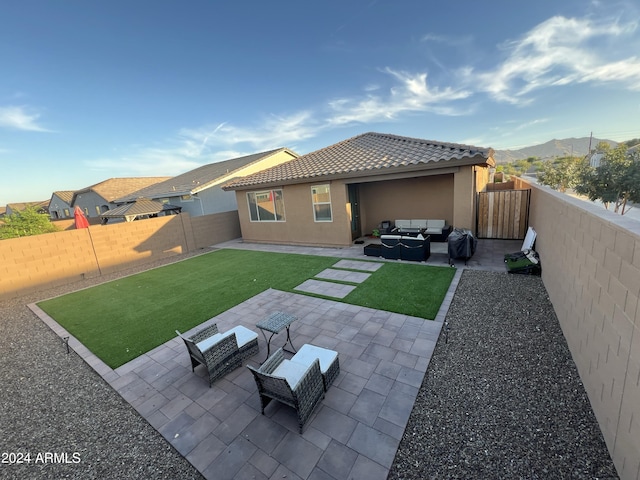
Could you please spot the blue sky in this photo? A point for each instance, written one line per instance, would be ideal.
(102, 89)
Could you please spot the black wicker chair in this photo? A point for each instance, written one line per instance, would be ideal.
(291, 383)
(220, 353)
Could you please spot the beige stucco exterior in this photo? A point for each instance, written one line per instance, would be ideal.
(448, 194)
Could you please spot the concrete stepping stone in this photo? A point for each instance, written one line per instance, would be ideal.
(343, 275)
(358, 265)
(328, 289)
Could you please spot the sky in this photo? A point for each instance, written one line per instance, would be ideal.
(105, 89)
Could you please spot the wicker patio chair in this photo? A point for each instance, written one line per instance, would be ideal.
(291, 383)
(220, 353)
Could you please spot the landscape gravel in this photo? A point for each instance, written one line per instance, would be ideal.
(501, 399)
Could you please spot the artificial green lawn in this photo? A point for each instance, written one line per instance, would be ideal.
(125, 318)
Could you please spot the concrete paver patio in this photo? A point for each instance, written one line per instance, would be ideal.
(354, 433)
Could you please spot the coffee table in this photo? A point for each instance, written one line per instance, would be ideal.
(275, 323)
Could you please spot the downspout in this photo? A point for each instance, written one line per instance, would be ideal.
(195, 195)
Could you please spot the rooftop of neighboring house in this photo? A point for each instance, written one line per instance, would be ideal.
(199, 178)
(368, 154)
(114, 188)
(19, 206)
(64, 195)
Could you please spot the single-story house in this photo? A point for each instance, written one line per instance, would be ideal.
(198, 191)
(336, 194)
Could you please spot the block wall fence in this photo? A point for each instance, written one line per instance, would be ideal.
(30, 264)
(591, 269)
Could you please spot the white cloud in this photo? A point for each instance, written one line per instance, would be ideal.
(561, 51)
(410, 93)
(19, 118)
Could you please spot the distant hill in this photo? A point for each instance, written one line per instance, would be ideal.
(578, 147)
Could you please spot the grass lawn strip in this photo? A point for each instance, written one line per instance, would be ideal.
(122, 319)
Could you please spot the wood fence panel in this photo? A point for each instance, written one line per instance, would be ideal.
(503, 214)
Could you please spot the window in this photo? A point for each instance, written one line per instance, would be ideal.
(266, 206)
(66, 212)
(321, 198)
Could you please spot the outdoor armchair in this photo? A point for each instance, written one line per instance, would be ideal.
(220, 353)
(291, 383)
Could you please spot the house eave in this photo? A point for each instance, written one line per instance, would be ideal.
(422, 169)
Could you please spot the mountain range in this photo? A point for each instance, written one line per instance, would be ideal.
(577, 147)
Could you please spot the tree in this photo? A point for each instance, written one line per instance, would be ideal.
(26, 222)
(616, 180)
(561, 173)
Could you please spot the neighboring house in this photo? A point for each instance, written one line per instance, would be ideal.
(139, 210)
(334, 195)
(99, 198)
(41, 206)
(198, 191)
(60, 205)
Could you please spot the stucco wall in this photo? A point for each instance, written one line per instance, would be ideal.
(407, 198)
(299, 226)
(34, 263)
(591, 268)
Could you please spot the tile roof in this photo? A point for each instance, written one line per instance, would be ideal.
(65, 195)
(117, 187)
(200, 178)
(39, 205)
(368, 154)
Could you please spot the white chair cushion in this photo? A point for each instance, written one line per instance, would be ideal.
(292, 372)
(418, 223)
(308, 353)
(403, 223)
(436, 224)
(207, 343)
(243, 336)
(390, 237)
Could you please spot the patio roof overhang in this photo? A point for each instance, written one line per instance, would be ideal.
(140, 208)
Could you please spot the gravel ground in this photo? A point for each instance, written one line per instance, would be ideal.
(502, 397)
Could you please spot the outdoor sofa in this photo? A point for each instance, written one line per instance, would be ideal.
(438, 230)
(220, 353)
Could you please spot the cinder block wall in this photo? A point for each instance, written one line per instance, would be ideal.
(35, 263)
(591, 270)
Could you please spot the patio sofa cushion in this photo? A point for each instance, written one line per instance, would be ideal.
(329, 362)
(243, 336)
(434, 227)
(291, 371)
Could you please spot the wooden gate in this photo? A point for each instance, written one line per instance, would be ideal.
(503, 214)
